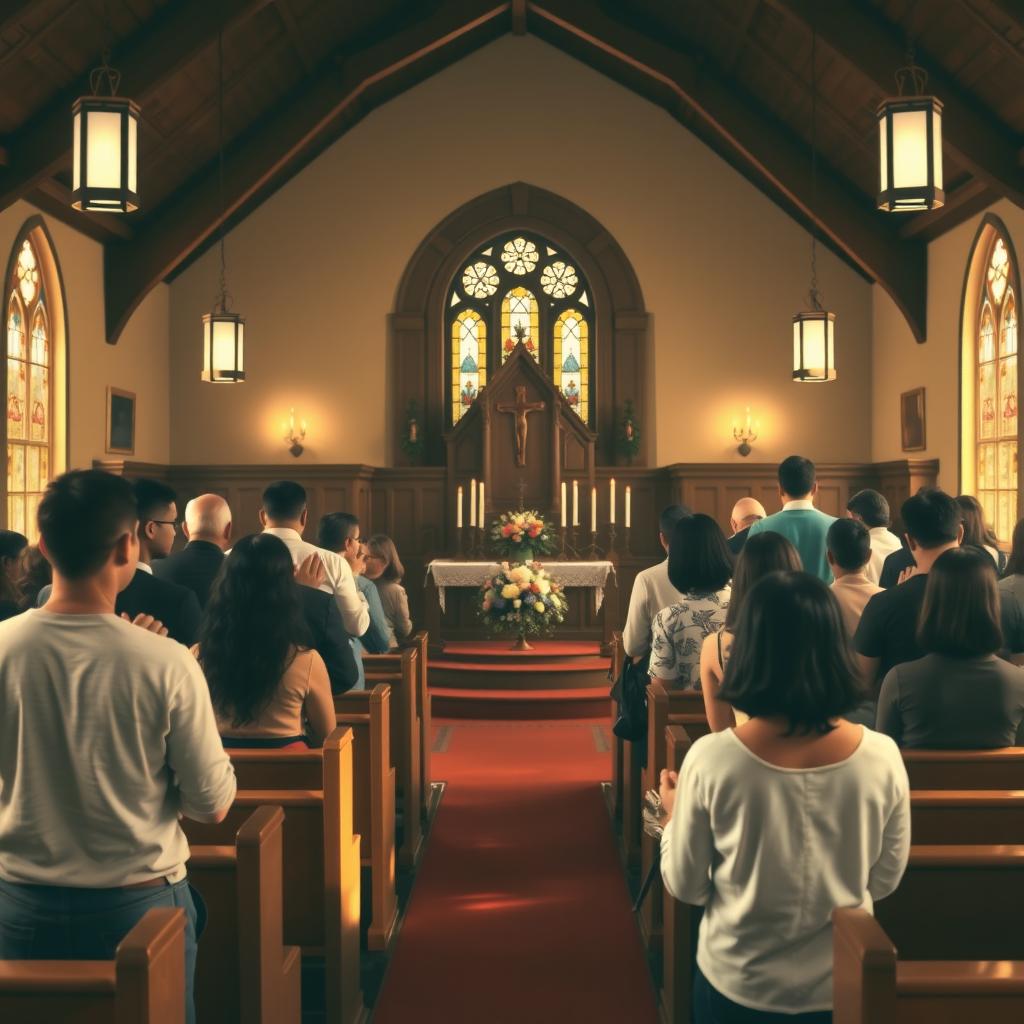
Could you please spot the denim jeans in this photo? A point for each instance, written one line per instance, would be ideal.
(42, 922)
(711, 1007)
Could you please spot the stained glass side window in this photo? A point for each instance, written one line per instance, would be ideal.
(520, 322)
(572, 361)
(28, 431)
(997, 375)
(469, 360)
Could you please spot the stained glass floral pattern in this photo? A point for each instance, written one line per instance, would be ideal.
(480, 280)
(519, 256)
(998, 270)
(27, 271)
(559, 279)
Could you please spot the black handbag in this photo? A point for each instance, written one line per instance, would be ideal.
(630, 693)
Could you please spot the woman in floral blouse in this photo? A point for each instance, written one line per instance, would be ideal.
(700, 568)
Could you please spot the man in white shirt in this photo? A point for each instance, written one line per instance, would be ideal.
(651, 591)
(849, 548)
(107, 736)
(872, 509)
(284, 514)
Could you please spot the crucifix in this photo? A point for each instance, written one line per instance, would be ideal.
(521, 409)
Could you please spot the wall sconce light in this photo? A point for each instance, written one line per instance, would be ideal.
(293, 440)
(746, 434)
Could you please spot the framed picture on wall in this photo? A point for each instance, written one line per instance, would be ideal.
(120, 422)
(912, 422)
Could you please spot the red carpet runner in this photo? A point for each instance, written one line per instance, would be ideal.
(520, 913)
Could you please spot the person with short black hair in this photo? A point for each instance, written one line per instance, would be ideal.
(795, 786)
(339, 531)
(700, 567)
(800, 522)
(158, 519)
(652, 590)
(12, 544)
(107, 737)
(849, 551)
(872, 509)
(768, 552)
(284, 514)
(959, 695)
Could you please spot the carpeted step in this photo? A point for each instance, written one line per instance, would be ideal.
(500, 651)
(519, 675)
(498, 704)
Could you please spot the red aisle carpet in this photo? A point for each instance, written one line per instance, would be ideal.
(520, 913)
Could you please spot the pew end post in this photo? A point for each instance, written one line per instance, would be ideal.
(864, 970)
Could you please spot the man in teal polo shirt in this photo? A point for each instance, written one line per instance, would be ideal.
(799, 521)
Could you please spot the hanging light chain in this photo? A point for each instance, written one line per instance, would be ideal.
(224, 299)
(814, 297)
(911, 74)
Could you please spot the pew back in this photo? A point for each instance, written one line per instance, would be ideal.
(967, 817)
(420, 643)
(966, 769)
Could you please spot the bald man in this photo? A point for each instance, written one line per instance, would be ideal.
(207, 527)
(745, 513)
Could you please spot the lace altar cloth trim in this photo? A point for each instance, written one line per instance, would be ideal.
(473, 574)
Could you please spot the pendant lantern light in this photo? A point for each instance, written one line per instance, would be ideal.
(105, 143)
(910, 145)
(223, 330)
(814, 329)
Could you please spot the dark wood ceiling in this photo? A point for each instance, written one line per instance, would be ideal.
(299, 73)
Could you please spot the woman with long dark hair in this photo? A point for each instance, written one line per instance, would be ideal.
(774, 824)
(762, 554)
(269, 688)
(12, 544)
(960, 694)
(977, 533)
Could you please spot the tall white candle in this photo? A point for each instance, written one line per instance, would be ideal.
(458, 507)
(611, 489)
(575, 503)
(472, 502)
(481, 519)
(593, 510)
(565, 511)
(629, 506)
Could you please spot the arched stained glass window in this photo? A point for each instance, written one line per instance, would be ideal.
(572, 361)
(996, 395)
(469, 360)
(520, 320)
(519, 287)
(28, 425)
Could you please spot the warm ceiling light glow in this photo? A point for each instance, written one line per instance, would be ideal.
(223, 347)
(814, 358)
(105, 138)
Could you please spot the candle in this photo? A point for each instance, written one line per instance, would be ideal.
(472, 503)
(458, 505)
(593, 510)
(481, 520)
(612, 491)
(564, 509)
(629, 506)
(575, 503)
(303, 428)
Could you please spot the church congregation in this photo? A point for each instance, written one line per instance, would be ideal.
(513, 512)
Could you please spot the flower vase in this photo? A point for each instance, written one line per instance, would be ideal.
(521, 644)
(524, 555)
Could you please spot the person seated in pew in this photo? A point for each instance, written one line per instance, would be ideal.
(978, 533)
(745, 513)
(1011, 586)
(872, 509)
(12, 544)
(269, 687)
(849, 553)
(207, 528)
(107, 737)
(959, 695)
(700, 567)
(774, 824)
(769, 552)
(384, 568)
(652, 591)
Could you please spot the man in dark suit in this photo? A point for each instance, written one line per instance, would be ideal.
(330, 639)
(207, 527)
(745, 513)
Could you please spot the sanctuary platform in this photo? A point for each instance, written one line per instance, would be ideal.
(488, 680)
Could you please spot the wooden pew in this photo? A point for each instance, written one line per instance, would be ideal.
(144, 984)
(967, 817)
(368, 714)
(321, 871)
(872, 986)
(966, 769)
(619, 753)
(244, 973)
(420, 642)
(400, 671)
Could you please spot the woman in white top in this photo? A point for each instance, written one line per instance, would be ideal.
(762, 554)
(700, 568)
(779, 821)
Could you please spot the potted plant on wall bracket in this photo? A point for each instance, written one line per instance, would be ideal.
(627, 435)
(412, 434)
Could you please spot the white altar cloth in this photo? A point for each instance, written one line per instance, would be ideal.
(593, 575)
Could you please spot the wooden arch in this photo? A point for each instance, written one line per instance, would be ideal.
(418, 347)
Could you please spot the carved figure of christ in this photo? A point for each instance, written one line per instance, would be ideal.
(521, 409)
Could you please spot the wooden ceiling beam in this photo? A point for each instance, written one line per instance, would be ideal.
(328, 103)
(771, 150)
(13, 12)
(54, 199)
(146, 61)
(284, 12)
(877, 50)
(1011, 10)
(961, 203)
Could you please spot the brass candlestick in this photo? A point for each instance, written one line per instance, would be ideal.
(611, 539)
(460, 552)
(563, 555)
(625, 541)
(594, 552)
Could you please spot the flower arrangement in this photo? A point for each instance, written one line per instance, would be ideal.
(518, 536)
(522, 600)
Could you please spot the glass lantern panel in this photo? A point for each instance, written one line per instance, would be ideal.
(76, 182)
(103, 149)
(133, 153)
(910, 148)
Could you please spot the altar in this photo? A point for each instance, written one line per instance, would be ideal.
(454, 596)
